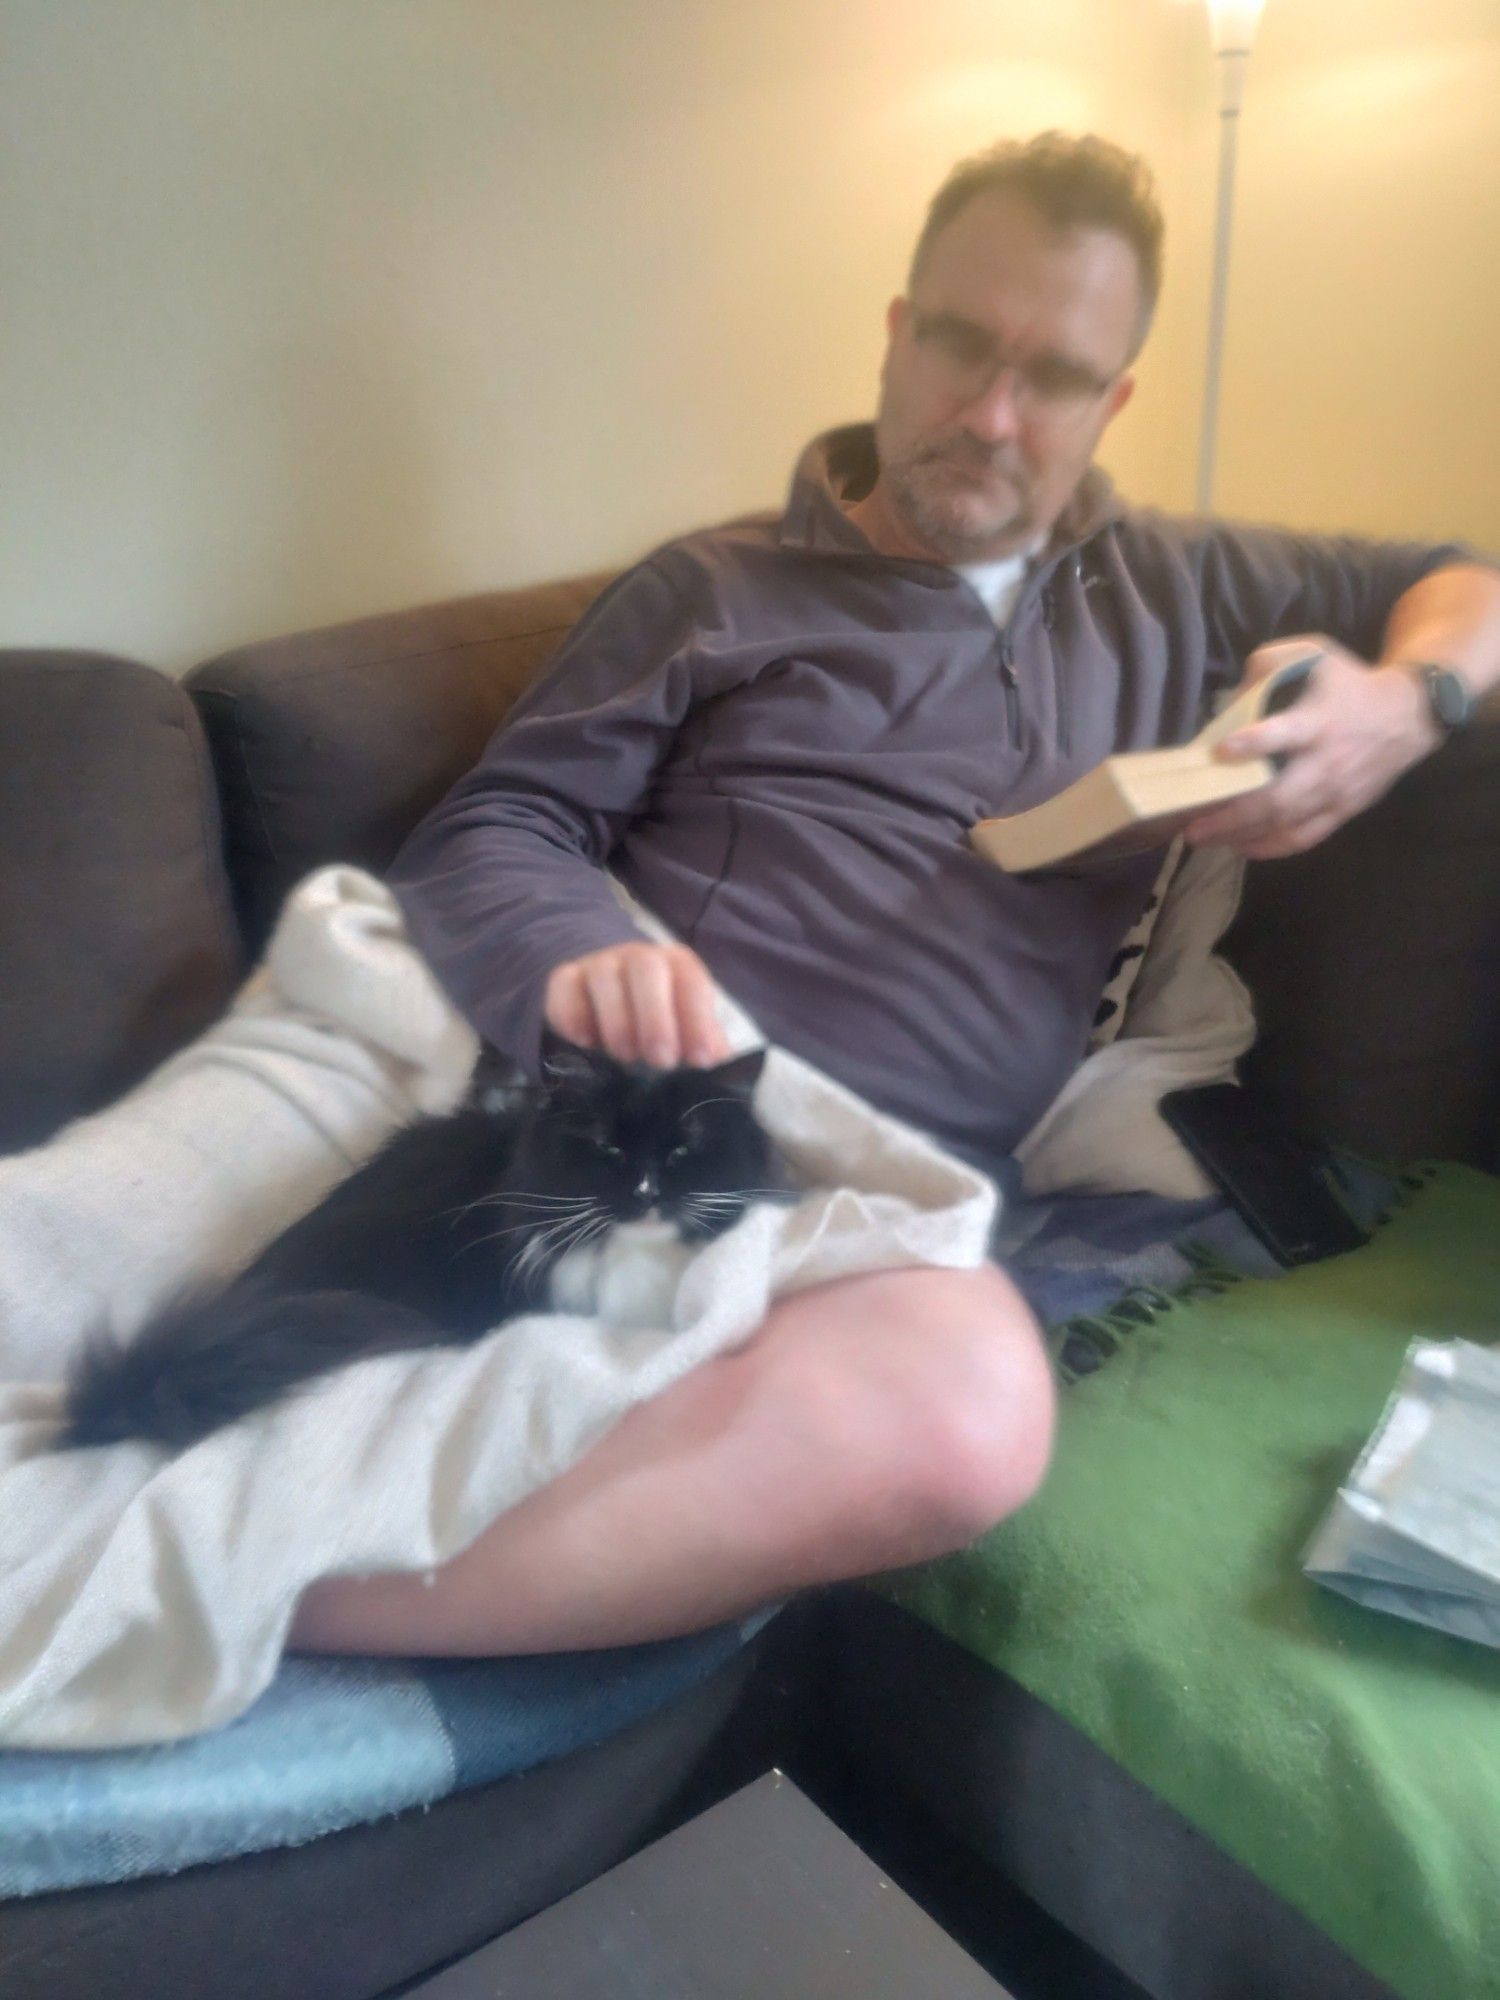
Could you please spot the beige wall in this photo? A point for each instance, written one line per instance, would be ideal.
(315, 307)
(1362, 362)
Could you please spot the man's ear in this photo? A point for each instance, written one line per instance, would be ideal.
(1119, 396)
(896, 315)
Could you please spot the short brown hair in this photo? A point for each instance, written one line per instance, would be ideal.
(1074, 183)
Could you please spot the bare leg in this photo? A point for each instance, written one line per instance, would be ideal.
(871, 1422)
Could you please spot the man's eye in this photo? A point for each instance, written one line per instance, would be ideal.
(970, 350)
(1056, 379)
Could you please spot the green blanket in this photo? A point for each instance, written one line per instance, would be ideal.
(1153, 1595)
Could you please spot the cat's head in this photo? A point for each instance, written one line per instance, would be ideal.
(681, 1143)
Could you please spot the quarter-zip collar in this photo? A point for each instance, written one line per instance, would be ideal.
(843, 463)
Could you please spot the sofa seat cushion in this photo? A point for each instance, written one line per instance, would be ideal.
(332, 1743)
(1153, 1598)
(116, 934)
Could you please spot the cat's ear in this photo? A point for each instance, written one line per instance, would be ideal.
(566, 1066)
(740, 1073)
(497, 1083)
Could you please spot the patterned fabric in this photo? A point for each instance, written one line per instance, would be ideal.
(330, 1744)
(1091, 1265)
(1125, 966)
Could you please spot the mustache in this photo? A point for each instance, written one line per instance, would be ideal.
(969, 456)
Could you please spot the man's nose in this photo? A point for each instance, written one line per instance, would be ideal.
(994, 414)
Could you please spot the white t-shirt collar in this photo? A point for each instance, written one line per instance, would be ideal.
(998, 584)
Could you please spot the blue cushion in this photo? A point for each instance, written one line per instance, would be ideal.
(331, 1743)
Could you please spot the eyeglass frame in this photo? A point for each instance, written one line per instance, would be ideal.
(1085, 386)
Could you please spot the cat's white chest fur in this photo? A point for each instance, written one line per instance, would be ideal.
(628, 1278)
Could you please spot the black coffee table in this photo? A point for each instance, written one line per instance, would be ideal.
(760, 1898)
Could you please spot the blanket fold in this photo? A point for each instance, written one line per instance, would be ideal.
(144, 1598)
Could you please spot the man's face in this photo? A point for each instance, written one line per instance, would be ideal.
(1001, 373)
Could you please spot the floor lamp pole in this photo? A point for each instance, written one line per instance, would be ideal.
(1233, 63)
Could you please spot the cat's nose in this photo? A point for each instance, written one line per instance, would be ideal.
(645, 1188)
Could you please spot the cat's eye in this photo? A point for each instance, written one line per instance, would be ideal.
(611, 1152)
(677, 1153)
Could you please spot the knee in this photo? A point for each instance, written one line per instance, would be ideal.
(974, 1425)
(947, 1427)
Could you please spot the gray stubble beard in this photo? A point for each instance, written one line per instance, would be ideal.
(933, 521)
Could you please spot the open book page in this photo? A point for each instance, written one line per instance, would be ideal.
(1416, 1526)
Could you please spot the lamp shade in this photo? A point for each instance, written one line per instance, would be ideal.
(1232, 24)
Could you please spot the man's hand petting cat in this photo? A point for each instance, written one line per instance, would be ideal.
(651, 1003)
(1347, 740)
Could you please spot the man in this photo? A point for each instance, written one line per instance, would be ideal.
(777, 735)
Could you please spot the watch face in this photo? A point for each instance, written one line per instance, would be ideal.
(1450, 698)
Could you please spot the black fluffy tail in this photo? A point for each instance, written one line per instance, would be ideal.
(210, 1358)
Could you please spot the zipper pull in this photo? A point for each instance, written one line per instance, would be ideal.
(1012, 697)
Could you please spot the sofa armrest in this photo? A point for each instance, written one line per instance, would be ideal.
(116, 932)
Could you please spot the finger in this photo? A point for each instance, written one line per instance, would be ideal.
(606, 987)
(1310, 785)
(1239, 822)
(1279, 653)
(1223, 832)
(567, 1008)
(1268, 816)
(1235, 829)
(648, 982)
(1295, 729)
(1235, 820)
(1299, 649)
(702, 1037)
(1295, 840)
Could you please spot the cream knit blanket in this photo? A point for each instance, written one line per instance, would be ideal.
(146, 1597)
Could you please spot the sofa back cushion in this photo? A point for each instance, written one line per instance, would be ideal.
(117, 941)
(331, 745)
(1374, 961)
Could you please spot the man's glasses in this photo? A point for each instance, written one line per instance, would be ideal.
(969, 360)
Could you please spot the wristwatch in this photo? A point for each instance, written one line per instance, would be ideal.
(1449, 702)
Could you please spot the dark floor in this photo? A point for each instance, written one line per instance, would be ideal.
(1016, 1942)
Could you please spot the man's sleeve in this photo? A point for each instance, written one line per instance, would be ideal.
(504, 879)
(1259, 584)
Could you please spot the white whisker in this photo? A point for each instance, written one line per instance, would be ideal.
(732, 1200)
(523, 1198)
(582, 1230)
(581, 1213)
(520, 1195)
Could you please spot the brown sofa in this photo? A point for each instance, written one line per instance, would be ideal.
(149, 830)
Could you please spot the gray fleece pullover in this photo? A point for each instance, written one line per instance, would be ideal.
(778, 740)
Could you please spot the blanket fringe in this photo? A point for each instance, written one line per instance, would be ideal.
(1081, 1345)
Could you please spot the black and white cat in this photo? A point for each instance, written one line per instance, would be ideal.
(510, 1204)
